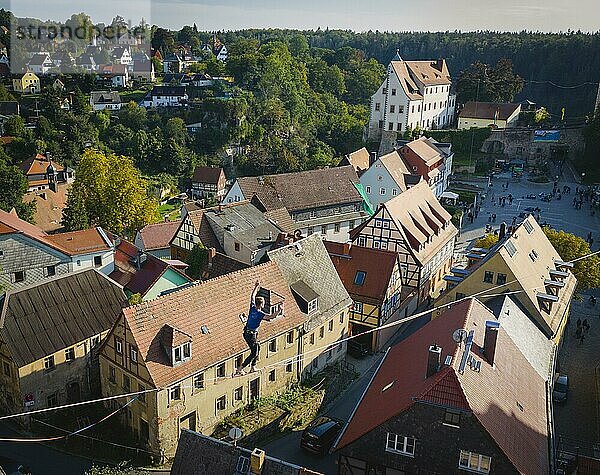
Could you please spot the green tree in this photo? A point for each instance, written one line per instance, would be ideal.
(196, 260)
(489, 83)
(487, 241)
(14, 186)
(571, 247)
(75, 215)
(113, 193)
(5, 95)
(14, 126)
(541, 115)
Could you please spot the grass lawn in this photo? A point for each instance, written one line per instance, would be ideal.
(171, 211)
(136, 96)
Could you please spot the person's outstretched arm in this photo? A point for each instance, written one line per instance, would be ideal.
(254, 293)
(274, 315)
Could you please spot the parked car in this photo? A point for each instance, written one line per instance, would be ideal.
(561, 388)
(320, 434)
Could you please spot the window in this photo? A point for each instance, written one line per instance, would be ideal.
(460, 295)
(394, 192)
(182, 353)
(175, 393)
(385, 90)
(336, 228)
(377, 106)
(312, 338)
(321, 332)
(400, 110)
(97, 261)
(381, 124)
(311, 231)
(342, 318)
(238, 394)
(510, 248)
(392, 109)
(199, 381)
(238, 361)
(221, 370)
(359, 278)
(452, 418)
(533, 255)
(142, 395)
(118, 345)
(273, 345)
(18, 276)
(289, 368)
(6, 368)
(399, 127)
(221, 403)
(351, 224)
(237, 247)
(324, 229)
(112, 376)
(272, 376)
(488, 277)
(290, 337)
(367, 189)
(126, 383)
(474, 462)
(51, 271)
(390, 126)
(312, 306)
(330, 326)
(393, 92)
(382, 191)
(49, 364)
(70, 354)
(500, 279)
(52, 400)
(400, 444)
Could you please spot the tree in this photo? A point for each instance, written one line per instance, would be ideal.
(485, 83)
(113, 193)
(487, 241)
(196, 260)
(541, 115)
(14, 186)
(14, 126)
(571, 247)
(75, 217)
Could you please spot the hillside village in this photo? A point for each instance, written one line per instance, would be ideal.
(421, 259)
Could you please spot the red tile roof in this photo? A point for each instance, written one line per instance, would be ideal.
(158, 236)
(216, 304)
(378, 265)
(38, 165)
(508, 399)
(488, 110)
(138, 281)
(209, 175)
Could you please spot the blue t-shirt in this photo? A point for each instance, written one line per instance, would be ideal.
(255, 317)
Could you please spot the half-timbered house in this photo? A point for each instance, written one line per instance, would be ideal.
(419, 229)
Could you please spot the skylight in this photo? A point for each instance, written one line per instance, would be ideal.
(359, 278)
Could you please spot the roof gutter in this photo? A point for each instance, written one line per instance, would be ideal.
(339, 437)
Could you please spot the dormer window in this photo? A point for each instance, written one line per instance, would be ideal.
(307, 298)
(182, 353)
(176, 344)
(313, 305)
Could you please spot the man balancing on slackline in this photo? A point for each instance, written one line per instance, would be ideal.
(255, 316)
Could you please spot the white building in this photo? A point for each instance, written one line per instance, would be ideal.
(413, 94)
(166, 96)
(101, 100)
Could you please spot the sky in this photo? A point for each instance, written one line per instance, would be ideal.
(364, 15)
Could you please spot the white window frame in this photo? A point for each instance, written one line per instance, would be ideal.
(471, 468)
(357, 307)
(382, 191)
(399, 444)
(313, 305)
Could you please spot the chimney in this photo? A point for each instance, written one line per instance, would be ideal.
(372, 158)
(346, 249)
(502, 231)
(257, 460)
(47, 154)
(212, 252)
(434, 360)
(439, 64)
(490, 339)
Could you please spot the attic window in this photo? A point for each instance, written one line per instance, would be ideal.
(182, 353)
(510, 248)
(308, 299)
(204, 329)
(359, 278)
(527, 225)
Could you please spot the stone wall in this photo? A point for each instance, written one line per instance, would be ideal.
(519, 143)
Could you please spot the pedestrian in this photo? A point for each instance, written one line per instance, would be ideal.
(585, 326)
(581, 338)
(578, 322)
(578, 333)
(256, 315)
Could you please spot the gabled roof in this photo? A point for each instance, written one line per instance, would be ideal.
(143, 65)
(178, 91)
(210, 175)
(303, 190)
(307, 260)
(377, 264)
(55, 314)
(199, 454)
(39, 59)
(10, 108)
(113, 69)
(159, 235)
(105, 97)
(202, 227)
(408, 85)
(138, 280)
(216, 304)
(420, 217)
(488, 110)
(397, 169)
(429, 73)
(38, 165)
(425, 149)
(282, 219)
(219, 264)
(508, 398)
(359, 160)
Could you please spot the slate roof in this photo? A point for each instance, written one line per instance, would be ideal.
(159, 235)
(175, 91)
(303, 190)
(199, 454)
(491, 394)
(39, 59)
(420, 218)
(307, 260)
(217, 304)
(105, 97)
(55, 314)
(488, 110)
(378, 265)
(138, 281)
(209, 175)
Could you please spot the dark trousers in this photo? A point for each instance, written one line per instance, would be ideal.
(251, 338)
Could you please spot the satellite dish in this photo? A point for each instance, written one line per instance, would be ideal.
(459, 335)
(235, 434)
